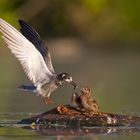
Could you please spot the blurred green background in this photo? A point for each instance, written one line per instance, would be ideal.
(97, 41)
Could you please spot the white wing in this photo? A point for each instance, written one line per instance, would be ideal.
(29, 57)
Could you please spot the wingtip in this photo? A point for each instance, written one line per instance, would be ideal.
(21, 21)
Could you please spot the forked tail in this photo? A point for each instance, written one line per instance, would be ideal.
(30, 88)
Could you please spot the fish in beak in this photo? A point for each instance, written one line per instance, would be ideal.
(73, 84)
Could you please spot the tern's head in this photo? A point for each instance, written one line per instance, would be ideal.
(65, 77)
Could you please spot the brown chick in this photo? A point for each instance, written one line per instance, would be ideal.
(87, 100)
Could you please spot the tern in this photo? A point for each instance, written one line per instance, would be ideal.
(35, 59)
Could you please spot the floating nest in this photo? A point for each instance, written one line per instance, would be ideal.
(82, 113)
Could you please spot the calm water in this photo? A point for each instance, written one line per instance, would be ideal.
(9, 129)
(114, 79)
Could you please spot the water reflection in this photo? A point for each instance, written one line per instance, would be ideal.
(55, 131)
(9, 129)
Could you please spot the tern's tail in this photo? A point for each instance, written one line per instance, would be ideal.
(30, 88)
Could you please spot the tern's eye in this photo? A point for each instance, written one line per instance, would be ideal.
(69, 78)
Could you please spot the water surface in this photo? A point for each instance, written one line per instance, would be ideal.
(114, 79)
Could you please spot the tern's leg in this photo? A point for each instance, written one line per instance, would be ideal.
(47, 100)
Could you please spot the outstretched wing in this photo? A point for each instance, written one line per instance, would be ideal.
(29, 57)
(31, 34)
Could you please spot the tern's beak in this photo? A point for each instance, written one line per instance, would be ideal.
(73, 84)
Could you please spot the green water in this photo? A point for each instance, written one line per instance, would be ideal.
(9, 129)
(14, 131)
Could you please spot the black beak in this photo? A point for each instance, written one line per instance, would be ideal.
(73, 84)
